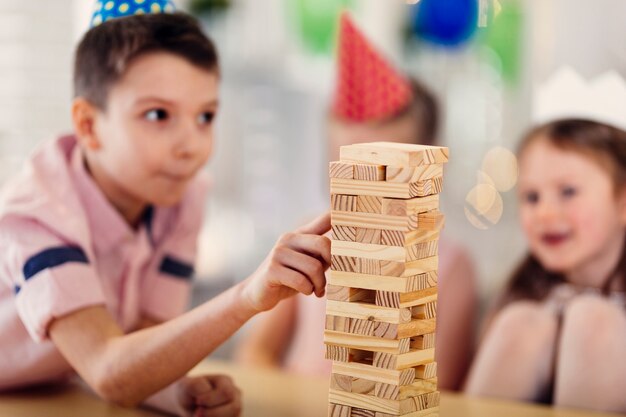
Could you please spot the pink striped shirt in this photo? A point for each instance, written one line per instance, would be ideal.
(64, 247)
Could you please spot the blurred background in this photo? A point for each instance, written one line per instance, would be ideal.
(485, 59)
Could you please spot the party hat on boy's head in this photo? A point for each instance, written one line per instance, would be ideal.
(110, 9)
(368, 87)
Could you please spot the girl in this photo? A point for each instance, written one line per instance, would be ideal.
(558, 334)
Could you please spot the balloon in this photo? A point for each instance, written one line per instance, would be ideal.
(503, 35)
(317, 22)
(447, 23)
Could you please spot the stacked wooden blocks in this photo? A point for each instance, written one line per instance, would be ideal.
(382, 289)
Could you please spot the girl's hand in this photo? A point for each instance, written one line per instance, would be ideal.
(296, 264)
(209, 396)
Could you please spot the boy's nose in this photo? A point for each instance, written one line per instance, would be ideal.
(189, 143)
(546, 211)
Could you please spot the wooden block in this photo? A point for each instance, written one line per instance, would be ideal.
(386, 189)
(393, 407)
(338, 323)
(423, 250)
(379, 282)
(343, 263)
(418, 387)
(405, 360)
(393, 154)
(339, 293)
(337, 353)
(383, 252)
(369, 372)
(404, 300)
(368, 312)
(345, 233)
(423, 188)
(403, 238)
(405, 207)
(417, 328)
(366, 235)
(407, 269)
(369, 204)
(360, 412)
(374, 221)
(431, 220)
(429, 412)
(426, 371)
(337, 410)
(371, 344)
(369, 251)
(341, 170)
(369, 172)
(413, 174)
(363, 386)
(425, 311)
(341, 382)
(368, 266)
(343, 202)
(397, 392)
(363, 327)
(425, 341)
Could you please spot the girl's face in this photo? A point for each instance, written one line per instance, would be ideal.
(572, 217)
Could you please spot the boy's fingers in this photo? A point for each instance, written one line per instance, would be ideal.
(311, 269)
(212, 391)
(313, 245)
(318, 226)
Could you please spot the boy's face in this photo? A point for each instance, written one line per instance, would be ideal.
(156, 132)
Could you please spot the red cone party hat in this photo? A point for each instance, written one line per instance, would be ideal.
(369, 88)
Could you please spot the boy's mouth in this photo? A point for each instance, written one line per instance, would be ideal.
(554, 239)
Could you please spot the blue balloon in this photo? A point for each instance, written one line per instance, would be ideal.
(445, 22)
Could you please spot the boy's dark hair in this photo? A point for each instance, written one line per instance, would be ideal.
(607, 145)
(424, 110)
(106, 51)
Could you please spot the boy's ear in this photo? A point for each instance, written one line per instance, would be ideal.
(84, 116)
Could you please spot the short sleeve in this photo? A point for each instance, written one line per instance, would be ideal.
(50, 276)
(167, 285)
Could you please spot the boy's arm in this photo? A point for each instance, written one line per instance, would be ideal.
(128, 368)
(267, 341)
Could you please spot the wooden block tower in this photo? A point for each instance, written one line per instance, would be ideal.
(382, 290)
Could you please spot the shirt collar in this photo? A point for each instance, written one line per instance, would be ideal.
(108, 228)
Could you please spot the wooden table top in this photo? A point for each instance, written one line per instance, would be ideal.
(266, 393)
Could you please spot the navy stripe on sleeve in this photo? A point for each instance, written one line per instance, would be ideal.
(52, 257)
(176, 268)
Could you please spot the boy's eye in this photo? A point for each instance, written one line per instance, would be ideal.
(156, 115)
(206, 118)
(568, 191)
(531, 197)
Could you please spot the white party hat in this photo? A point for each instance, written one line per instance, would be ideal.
(566, 94)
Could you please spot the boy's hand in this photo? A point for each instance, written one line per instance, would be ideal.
(209, 396)
(296, 264)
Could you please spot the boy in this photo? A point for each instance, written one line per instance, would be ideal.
(98, 231)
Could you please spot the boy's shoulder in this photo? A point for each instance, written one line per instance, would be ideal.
(43, 190)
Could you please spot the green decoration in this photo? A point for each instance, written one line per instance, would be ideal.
(503, 35)
(317, 21)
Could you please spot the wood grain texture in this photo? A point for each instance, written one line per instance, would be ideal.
(393, 154)
(379, 282)
(341, 293)
(368, 343)
(369, 204)
(342, 170)
(413, 174)
(345, 233)
(386, 189)
(368, 312)
(426, 371)
(413, 299)
(343, 202)
(393, 407)
(397, 392)
(425, 341)
(372, 373)
(369, 172)
(405, 207)
(374, 221)
(366, 235)
(337, 410)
